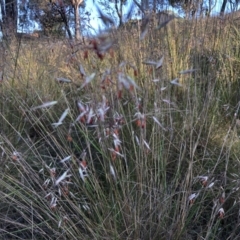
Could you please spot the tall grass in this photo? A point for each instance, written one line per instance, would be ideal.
(158, 159)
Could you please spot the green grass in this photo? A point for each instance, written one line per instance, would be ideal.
(145, 159)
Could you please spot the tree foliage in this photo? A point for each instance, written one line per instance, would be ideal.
(59, 12)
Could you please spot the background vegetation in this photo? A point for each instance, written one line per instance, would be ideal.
(148, 143)
(75, 18)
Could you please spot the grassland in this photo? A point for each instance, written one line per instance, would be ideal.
(139, 150)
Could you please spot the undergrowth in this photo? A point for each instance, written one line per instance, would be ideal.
(136, 141)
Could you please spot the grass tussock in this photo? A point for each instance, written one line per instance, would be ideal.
(140, 141)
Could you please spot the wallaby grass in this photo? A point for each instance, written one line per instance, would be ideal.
(140, 177)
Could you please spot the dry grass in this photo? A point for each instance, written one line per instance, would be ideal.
(157, 159)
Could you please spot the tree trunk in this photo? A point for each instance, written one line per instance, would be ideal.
(10, 8)
(223, 7)
(145, 5)
(3, 8)
(77, 22)
(65, 20)
(119, 12)
(68, 31)
(1, 14)
(76, 4)
(10, 18)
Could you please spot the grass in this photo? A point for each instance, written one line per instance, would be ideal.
(138, 155)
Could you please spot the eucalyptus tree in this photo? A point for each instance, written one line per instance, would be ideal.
(3, 8)
(233, 3)
(152, 5)
(76, 4)
(63, 5)
(118, 4)
(10, 9)
(59, 12)
(189, 7)
(9, 15)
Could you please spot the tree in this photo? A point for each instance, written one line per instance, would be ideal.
(76, 4)
(60, 11)
(53, 19)
(190, 7)
(3, 8)
(152, 5)
(10, 9)
(223, 7)
(9, 14)
(119, 9)
(233, 3)
(62, 6)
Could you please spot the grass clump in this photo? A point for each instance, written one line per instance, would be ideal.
(139, 141)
